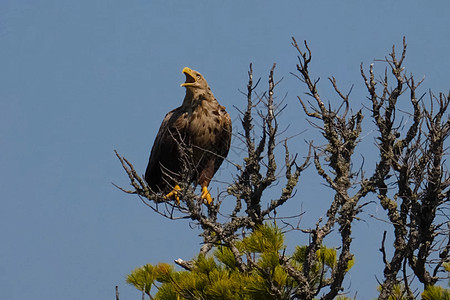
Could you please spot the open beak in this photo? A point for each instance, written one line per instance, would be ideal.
(190, 77)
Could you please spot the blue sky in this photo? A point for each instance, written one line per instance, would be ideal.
(81, 78)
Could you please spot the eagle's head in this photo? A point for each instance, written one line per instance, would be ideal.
(195, 83)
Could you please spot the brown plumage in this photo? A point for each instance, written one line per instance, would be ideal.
(200, 123)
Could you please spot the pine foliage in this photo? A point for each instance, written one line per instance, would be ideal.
(217, 276)
(435, 292)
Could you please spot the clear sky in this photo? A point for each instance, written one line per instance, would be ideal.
(79, 79)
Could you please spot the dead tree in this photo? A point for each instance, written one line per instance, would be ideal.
(411, 179)
(341, 129)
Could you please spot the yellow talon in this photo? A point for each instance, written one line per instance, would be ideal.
(206, 195)
(174, 194)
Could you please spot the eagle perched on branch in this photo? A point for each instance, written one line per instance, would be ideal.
(200, 124)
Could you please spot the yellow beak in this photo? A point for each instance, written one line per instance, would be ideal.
(190, 77)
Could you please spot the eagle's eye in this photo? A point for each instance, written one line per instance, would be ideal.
(199, 77)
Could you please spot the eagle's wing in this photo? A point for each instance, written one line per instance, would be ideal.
(218, 150)
(163, 166)
(223, 138)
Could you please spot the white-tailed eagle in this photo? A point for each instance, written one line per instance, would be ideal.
(200, 124)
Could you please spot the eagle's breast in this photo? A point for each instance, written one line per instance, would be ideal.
(206, 124)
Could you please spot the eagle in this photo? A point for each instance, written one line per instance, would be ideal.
(200, 124)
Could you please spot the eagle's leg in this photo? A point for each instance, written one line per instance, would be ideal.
(206, 195)
(174, 194)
